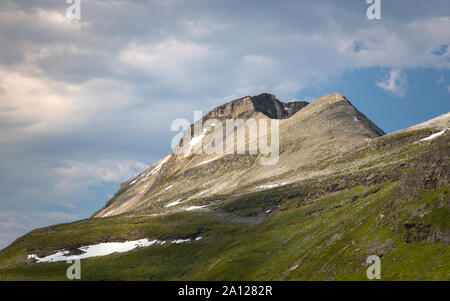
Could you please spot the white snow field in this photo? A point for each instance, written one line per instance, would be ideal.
(103, 249)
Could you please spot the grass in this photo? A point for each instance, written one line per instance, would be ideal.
(318, 229)
(293, 242)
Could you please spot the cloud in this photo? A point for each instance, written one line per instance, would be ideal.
(441, 50)
(54, 192)
(165, 57)
(75, 173)
(395, 83)
(35, 105)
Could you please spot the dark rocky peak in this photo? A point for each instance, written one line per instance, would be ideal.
(294, 106)
(264, 103)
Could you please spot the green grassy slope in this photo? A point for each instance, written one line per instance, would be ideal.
(328, 238)
(318, 229)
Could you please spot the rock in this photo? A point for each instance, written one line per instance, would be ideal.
(430, 170)
(438, 235)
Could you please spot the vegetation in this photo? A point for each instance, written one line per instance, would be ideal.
(387, 196)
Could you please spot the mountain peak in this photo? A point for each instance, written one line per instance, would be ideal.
(330, 99)
(264, 103)
(309, 132)
(337, 113)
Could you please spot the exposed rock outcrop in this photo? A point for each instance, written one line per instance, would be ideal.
(430, 170)
(264, 103)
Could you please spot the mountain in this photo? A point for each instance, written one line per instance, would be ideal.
(265, 103)
(328, 126)
(339, 190)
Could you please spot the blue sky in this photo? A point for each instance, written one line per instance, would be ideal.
(86, 104)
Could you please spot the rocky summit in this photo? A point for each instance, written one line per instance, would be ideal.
(341, 190)
(328, 126)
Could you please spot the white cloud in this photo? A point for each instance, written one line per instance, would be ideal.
(31, 105)
(448, 88)
(395, 83)
(75, 173)
(33, 102)
(169, 58)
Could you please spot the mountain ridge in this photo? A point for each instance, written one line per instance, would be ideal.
(264, 103)
(327, 120)
(340, 192)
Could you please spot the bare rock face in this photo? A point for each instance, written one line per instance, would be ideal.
(426, 232)
(293, 107)
(430, 170)
(264, 103)
(439, 235)
(309, 132)
(233, 108)
(275, 109)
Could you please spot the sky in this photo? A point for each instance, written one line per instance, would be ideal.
(86, 104)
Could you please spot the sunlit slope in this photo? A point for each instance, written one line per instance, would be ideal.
(329, 126)
(395, 205)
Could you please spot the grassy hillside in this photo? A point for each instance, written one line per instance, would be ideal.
(396, 206)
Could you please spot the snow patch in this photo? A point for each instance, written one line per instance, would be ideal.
(271, 185)
(103, 249)
(435, 135)
(100, 249)
(173, 203)
(195, 140)
(190, 208)
(145, 176)
(158, 167)
(105, 215)
(167, 188)
(206, 162)
(180, 241)
(198, 194)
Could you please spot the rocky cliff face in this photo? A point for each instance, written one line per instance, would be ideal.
(429, 170)
(265, 103)
(293, 107)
